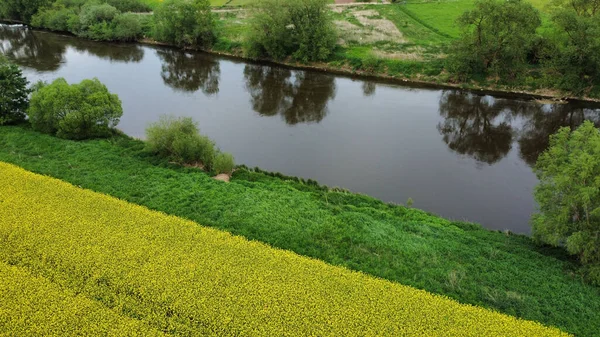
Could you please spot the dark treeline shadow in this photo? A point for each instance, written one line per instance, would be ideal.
(473, 125)
(190, 72)
(545, 120)
(485, 128)
(298, 97)
(42, 52)
(114, 52)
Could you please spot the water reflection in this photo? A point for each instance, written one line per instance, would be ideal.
(299, 97)
(190, 72)
(121, 52)
(30, 50)
(473, 125)
(543, 121)
(45, 52)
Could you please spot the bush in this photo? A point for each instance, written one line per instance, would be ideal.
(302, 29)
(58, 18)
(129, 6)
(78, 111)
(127, 27)
(179, 140)
(13, 93)
(568, 195)
(224, 163)
(93, 14)
(185, 23)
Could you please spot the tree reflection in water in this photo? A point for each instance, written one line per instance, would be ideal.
(544, 121)
(299, 97)
(472, 126)
(27, 48)
(484, 129)
(190, 72)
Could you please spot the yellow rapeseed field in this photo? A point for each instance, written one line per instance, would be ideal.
(178, 277)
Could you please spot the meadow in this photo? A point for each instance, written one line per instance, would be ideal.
(459, 260)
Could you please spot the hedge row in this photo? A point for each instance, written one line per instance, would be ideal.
(181, 278)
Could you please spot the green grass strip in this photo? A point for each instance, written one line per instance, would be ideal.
(505, 272)
(185, 279)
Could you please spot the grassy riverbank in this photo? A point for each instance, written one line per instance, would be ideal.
(408, 42)
(463, 261)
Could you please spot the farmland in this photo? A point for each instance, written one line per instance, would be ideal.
(211, 283)
(459, 260)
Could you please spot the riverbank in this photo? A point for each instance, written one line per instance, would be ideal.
(460, 260)
(387, 43)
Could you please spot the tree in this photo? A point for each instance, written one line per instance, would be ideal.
(568, 195)
(21, 10)
(573, 60)
(496, 37)
(302, 29)
(13, 93)
(185, 23)
(78, 111)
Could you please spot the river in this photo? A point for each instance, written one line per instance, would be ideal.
(455, 153)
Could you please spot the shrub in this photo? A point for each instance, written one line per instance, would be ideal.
(224, 163)
(13, 93)
(78, 111)
(179, 140)
(57, 17)
(129, 5)
(302, 29)
(185, 23)
(127, 27)
(94, 14)
(568, 195)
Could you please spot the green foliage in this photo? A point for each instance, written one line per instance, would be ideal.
(568, 195)
(185, 23)
(58, 17)
(496, 38)
(179, 140)
(21, 10)
(95, 14)
(573, 61)
(302, 29)
(78, 111)
(127, 27)
(135, 6)
(13, 93)
(403, 245)
(224, 163)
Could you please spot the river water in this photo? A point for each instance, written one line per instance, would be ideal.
(458, 154)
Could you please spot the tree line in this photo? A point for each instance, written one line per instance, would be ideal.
(506, 41)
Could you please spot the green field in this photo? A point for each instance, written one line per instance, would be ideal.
(496, 270)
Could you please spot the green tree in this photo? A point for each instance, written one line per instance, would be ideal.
(13, 93)
(78, 111)
(568, 195)
(573, 60)
(496, 37)
(185, 23)
(302, 29)
(21, 10)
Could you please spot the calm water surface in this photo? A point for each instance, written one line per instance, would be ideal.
(461, 155)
